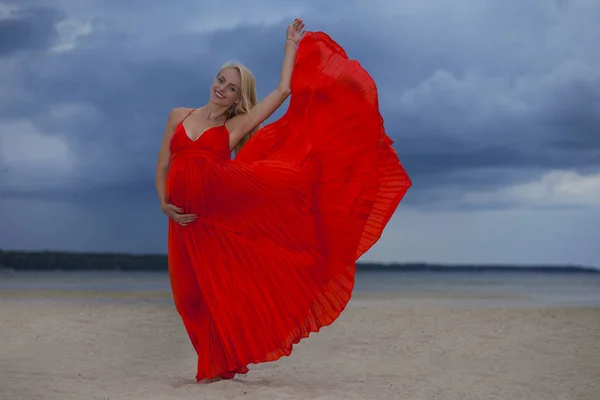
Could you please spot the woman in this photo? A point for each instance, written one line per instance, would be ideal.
(262, 248)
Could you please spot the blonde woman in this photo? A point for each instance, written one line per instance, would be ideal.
(263, 247)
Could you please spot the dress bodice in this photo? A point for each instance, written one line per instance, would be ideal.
(213, 142)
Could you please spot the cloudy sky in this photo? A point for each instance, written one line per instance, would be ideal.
(494, 108)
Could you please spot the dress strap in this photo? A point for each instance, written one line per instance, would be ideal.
(188, 114)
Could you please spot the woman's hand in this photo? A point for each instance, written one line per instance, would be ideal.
(177, 215)
(295, 30)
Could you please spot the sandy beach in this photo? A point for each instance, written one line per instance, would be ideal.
(384, 346)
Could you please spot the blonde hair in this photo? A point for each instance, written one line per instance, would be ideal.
(247, 98)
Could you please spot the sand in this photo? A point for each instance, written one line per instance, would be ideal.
(382, 347)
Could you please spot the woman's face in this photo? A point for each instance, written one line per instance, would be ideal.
(225, 90)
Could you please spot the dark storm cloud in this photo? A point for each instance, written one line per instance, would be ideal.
(575, 119)
(550, 141)
(28, 29)
(552, 125)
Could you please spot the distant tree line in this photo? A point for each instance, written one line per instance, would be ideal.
(76, 261)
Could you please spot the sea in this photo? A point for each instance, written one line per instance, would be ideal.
(477, 289)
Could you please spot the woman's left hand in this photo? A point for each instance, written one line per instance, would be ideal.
(295, 30)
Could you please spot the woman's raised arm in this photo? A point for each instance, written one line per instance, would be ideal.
(240, 125)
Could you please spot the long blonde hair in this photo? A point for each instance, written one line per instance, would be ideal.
(247, 98)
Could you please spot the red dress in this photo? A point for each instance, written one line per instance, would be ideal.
(272, 255)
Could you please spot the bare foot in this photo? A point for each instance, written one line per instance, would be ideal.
(210, 380)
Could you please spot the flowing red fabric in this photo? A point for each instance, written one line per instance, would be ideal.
(273, 253)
